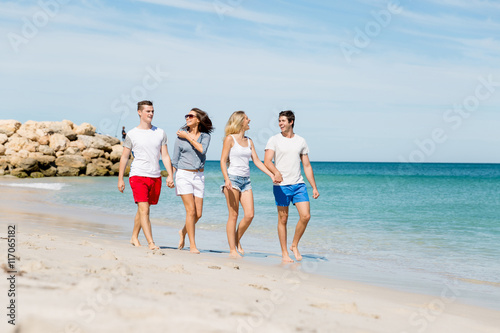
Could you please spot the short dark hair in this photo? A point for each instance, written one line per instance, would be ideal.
(141, 103)
(289, 115)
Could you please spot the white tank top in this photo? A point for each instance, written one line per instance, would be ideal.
(239, 158)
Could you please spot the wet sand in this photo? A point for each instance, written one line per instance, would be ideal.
(77, 274)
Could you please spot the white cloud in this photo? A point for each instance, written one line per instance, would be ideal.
(222, 9)
(84, 60)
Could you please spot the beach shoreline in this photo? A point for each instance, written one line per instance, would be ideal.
(76, 275)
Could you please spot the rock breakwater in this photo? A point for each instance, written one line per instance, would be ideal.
(57, 148)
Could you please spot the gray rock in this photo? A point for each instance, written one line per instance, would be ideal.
(109, 139)
(94, 142)
(19, 173)
(71, 161)
(85, 129)
(17, 143)
(71, 151)
(28, 164)
(96, 170)
(50, 172)
(58, 127)
(92, 153)
(44, 140)
(64, 171)
(44, 161)
(9, 127)
(58, 142)
(46, 150)
(102, 162)
(36, 174)
(4, 161)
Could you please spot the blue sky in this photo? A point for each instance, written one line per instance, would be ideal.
(371, 80)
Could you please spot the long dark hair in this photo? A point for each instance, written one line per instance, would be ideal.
(205, 124)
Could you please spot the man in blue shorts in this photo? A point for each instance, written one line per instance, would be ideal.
(288, 150)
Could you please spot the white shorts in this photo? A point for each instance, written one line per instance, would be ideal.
(190, 182)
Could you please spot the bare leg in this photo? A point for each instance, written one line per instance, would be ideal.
(182, 236)
(232, 200)
(304, 216)
(193, 214)
(137, 228)
(282, 221)
(143, 209)
(246, 200)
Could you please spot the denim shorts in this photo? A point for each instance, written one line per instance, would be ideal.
(239, 183)
(284, 194)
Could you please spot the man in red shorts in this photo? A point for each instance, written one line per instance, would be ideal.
(147, 143)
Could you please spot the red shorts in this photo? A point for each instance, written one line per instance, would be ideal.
(145, 189)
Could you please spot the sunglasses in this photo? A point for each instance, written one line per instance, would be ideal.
(189, 116)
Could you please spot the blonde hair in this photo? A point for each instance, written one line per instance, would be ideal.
(234, 126)
(235, 123)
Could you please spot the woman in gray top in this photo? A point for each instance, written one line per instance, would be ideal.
(188, 163)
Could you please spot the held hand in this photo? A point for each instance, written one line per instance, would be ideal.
(182, 134)
(315, 194)
(273, 179)
(278, 178)
(228, 185)
(170, 182)
(121, 185)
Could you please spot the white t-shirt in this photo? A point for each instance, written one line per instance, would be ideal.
(146, 148)
(287, 153)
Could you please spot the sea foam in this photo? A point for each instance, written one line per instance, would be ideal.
(43, 186)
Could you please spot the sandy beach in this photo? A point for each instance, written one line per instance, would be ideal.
(74, 274)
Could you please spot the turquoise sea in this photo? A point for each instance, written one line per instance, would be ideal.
(427, 228)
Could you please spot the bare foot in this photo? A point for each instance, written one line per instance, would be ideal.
(296, 253)
(240, 249)
(194, 250)
(234, 254)
(181, 240)
(286, 258)
(152, 246)
(135, 242)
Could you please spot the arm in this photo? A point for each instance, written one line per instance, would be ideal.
(309, 174)
(196, 145)
(228, 144)
(176, 156)
(268, 162)
(168, 165)
(205, 142)
(258, 163)
(123, 166)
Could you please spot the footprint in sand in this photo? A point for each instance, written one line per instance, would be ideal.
(109, 256)
(177, 269)
(351, 308)
(214, 267)
(34, 266)
(260, 287)
(123, 270)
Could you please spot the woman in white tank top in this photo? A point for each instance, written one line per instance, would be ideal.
(234, 163)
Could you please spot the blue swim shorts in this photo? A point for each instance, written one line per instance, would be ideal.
(284, 194)
(239, 183)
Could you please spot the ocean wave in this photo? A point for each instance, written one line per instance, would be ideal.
(43, 186)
